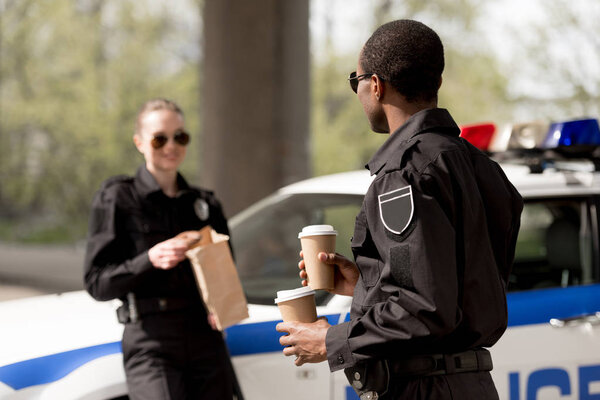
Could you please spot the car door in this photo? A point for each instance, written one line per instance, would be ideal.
(266, 248)
(551, 349)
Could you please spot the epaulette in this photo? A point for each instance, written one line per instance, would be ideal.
(204, 193)
(399, 160)
(115, 180)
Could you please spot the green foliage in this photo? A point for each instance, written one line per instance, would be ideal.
(342, 139)
(72, 78)
(473, 87)
(74, 72)
(558, 62)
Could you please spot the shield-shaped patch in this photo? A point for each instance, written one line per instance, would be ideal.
(396, 209)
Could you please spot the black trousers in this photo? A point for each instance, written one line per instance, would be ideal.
(463, 386)
(176, 356)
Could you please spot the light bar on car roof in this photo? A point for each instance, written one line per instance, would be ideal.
(527, 135)
(582, 132)
(523, 135)
(479, 135)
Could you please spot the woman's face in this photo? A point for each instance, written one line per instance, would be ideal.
(156, 123)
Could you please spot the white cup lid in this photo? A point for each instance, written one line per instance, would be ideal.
(286, 295)
(312, 230)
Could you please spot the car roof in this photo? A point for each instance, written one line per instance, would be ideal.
(353, 182)
(573, 178)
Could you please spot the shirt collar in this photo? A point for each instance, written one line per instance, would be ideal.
(146, 185)
(434, 119)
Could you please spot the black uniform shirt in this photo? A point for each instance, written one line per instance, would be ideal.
(129, 216)
(434, 242)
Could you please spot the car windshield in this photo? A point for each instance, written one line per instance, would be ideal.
(266, 245)
(554, 247)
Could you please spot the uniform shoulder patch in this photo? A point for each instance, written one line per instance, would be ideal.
(111, 187)
(396, 209)
(115, 180)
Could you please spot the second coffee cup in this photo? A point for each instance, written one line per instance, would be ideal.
(315, 239)
(297, 304)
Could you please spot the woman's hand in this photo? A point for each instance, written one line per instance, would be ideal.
(167, 254)
(346, 272)
(212, 321)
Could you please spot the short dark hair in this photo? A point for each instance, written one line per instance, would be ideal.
(153, 105)
(407, 54)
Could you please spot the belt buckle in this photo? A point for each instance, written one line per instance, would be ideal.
(370, 395)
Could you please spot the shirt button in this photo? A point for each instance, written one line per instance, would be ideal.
(162, 304)
(340, 359)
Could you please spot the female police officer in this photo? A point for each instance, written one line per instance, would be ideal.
(170, 350)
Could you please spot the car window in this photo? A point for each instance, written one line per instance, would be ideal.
(554, 246)
(266, 243)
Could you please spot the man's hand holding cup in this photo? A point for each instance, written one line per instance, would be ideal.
(345, 272)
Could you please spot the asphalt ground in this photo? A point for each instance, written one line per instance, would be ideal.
(32, 270)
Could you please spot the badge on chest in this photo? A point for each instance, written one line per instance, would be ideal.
(396, 209)
(201, 209)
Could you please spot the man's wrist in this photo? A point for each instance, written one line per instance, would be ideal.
(339, 355)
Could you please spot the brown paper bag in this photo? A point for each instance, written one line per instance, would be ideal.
(217, 278)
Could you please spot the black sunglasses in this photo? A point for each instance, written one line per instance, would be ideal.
(181, 138)
(353, 79)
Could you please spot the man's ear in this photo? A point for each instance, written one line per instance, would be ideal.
(378, 87)
(440, 83)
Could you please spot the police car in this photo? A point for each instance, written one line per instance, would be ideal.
(67, 346)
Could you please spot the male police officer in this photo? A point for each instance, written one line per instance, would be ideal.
(434, 241)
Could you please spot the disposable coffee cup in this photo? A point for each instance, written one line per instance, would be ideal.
(315, 239)
(297, 304)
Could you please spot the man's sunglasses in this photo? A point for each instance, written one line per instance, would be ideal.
(353, 79)
(181, 138)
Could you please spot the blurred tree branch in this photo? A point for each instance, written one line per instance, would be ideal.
(73, 74)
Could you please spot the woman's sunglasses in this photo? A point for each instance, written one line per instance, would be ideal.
(181, 138)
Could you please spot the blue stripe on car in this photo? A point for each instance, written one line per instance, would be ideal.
(539, 306)
(38, 371)
(243, 339)
(260, 337)
(525, 308)
(351, 394)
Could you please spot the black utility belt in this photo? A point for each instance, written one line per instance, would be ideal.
(131, 312)
(372, 378)
(442, 364)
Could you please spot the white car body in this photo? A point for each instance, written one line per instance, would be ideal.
(67, 346)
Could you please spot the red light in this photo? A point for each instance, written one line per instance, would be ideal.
(479, 135)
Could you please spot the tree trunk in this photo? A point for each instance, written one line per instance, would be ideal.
(255, 98)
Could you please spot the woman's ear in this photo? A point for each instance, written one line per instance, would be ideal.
(137, 140)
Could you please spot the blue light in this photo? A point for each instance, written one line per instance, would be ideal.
(583, 132)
